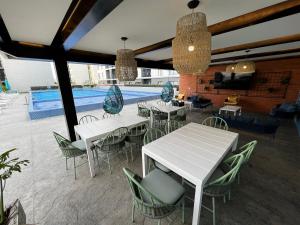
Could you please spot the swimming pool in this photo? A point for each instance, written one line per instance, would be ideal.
(48, 103)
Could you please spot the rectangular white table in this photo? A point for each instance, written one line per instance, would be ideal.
(91, 132)
(231, 108)
(166, 108)
(193, 152)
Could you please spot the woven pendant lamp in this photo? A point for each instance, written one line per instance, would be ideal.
(192, 45)
(126, 65)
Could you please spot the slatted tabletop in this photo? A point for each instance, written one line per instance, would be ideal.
(100, 128)
(193, 152)
(91, 132)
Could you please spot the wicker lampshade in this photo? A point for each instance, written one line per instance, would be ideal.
(245, 67)
(192, 45)
(230, 68)
(126, 65)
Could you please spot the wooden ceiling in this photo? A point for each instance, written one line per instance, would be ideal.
(83, 19)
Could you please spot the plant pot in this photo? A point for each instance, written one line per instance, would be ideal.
(16, 214)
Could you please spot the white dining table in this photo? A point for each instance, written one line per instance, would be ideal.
(93, 131)
(166, 108)
(193, 152)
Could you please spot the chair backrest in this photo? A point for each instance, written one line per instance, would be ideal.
(173, 125)
(160, 102)
(114, 139)
(143, 109)
(247, 149)
(143, 197)
(108, 115)
(65, 145)
(61, 141)
(215, 121)
(152, 134)
(234, 162)
(139, 129)
(155, 111)
(182, 111)
(87, 119)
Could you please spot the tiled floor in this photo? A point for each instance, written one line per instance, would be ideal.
(268, 193)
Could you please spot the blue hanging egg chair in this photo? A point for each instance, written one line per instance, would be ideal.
(113, 102)
(167, 93)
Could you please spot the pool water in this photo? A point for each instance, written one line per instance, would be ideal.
(48, 103)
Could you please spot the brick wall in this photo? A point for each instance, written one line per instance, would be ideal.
(258, 98)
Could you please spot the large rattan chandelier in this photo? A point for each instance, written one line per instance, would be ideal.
(192, 45)
(126, 66)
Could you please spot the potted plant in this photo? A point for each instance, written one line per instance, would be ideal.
(7, 168)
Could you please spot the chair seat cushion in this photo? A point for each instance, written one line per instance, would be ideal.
(162, 167)
(163, 187)
(216, 190)
(79, 144)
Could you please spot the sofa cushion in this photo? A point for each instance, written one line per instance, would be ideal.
(288, 107)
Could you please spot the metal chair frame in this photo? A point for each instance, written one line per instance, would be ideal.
(87, 119)
(216, 122)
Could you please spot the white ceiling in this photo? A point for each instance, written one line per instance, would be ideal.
(34, 21)
(144, 22)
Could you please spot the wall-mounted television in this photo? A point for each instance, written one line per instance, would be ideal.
(234, 81)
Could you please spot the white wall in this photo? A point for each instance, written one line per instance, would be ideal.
(22, 74)
(79, 73)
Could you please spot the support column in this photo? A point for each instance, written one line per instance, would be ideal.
(65, 87)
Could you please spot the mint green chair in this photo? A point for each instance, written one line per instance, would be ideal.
(173, 125)
(113, 143)
(87, 119)
(159, 118)
(180, 115)
(143, 111)
(70, 149)
(216, 122)
(155, 196)
(135, 136)
(246, 150)
(151, 135)
(219, 184)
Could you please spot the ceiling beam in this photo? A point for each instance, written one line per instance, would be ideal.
(276, 11)
(258, 44)
(81, 17)
(4, 35)
(257, 55)
(251, 45)
(44, 52)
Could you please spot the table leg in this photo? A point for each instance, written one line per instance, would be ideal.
(88, 146)
(197, 205)
(220, 111)
(145, 163)
(240, 111)
(169, 115)
(234, 146)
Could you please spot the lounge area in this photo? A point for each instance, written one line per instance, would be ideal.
(215, 142)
